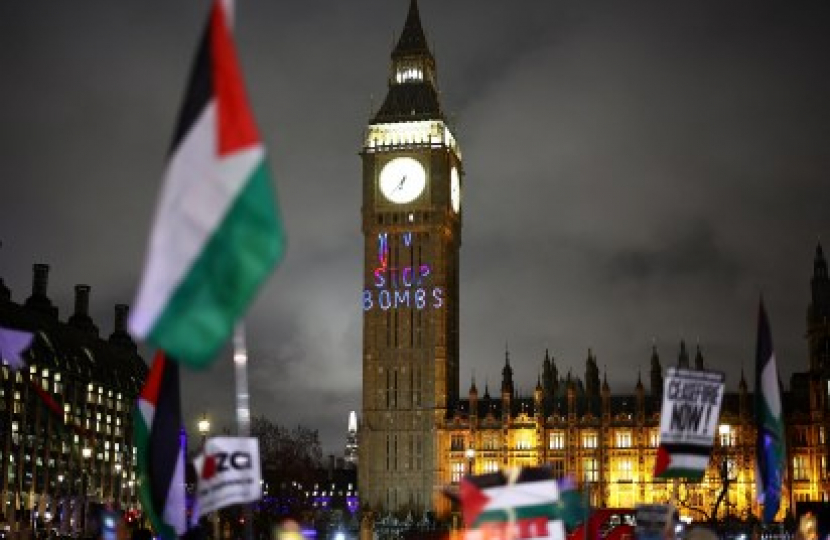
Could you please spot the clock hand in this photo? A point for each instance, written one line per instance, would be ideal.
(400, 184)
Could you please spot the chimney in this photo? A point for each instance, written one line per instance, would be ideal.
(40, 279)
(81, 319)
(122, 311)
(38, 301)
(120, 337)
(82, 300)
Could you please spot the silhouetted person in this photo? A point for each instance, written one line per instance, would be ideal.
(142, 533)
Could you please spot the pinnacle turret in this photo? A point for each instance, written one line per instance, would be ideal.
(819, 308)
(656, 374)
(507, 375)
(683, 357)
(699, 359)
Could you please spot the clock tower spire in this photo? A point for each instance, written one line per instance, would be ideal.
(411, 223)
(413, 81)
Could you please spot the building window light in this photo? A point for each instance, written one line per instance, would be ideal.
(589, 440)
(407, 74)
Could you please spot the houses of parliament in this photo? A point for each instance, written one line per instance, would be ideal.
(607, 442)
(419, 433)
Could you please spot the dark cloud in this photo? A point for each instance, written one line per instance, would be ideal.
(687, 254)
(637, 174)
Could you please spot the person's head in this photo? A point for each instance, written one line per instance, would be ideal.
(142, 533)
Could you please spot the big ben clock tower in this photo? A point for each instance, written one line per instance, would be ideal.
(412, 185)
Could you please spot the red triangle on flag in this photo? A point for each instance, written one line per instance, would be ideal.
(662, 461)
(473, 501)
(236, 126)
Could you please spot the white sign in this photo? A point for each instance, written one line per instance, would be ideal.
(691, 406)
(228, 472)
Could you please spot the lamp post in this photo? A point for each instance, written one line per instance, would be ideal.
(117, 488)
(728, 470)
(86, 452)
(59, 515)
(204, 428)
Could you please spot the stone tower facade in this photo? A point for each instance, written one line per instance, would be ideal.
(411, 222)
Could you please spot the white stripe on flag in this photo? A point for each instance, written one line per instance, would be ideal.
(521, 494)
(688, 461)
(769, 384)
(147, 410)
(174, 509)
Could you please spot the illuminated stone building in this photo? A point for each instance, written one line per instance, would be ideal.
(608, 441)
(417, 434)
(66, 417)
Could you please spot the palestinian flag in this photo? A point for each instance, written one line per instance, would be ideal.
(217, 233)
(523, 505)
(687, 461)
(161, 460)
(770, 448)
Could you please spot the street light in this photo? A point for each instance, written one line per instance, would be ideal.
(117, 487)
(470, 453)
(204, 428)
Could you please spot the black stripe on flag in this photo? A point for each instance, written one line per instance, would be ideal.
(164, 443)
(199, 89)
(692, 449)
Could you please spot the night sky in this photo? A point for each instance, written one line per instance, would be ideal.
(637, 173)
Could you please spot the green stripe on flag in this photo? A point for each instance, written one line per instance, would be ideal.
(224, 278)
(501, 515)
(695, 475)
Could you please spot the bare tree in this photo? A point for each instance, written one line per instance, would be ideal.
(291, 459)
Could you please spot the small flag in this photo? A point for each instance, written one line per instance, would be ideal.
(161, 460)
(217, 234)
(13, 343)
(525, 504)
(770, 448)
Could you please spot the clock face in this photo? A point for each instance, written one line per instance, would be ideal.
(455, 190)
(402, 180)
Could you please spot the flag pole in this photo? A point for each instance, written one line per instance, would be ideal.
(240, 361)
(243, 408)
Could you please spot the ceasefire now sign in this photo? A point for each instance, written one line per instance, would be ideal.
(228, 472)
